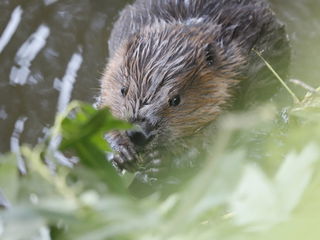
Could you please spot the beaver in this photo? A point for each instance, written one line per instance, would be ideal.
(176, 65)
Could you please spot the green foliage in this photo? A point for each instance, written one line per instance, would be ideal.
(83, 134)
(260, 181)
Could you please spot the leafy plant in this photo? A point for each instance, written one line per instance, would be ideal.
(260, 181)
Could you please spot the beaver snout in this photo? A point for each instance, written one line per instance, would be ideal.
(143, 131)
(139, 138)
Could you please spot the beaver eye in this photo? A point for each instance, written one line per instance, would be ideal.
(175, 101)
(124, 91)
(209, 55)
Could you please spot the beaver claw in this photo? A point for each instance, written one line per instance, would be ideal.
(126, 156)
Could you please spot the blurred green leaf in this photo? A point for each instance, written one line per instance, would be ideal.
(234, 197)
(88, 123)
(9, 181)
(83, 132)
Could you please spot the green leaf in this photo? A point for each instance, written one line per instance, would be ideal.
(9, 177)
(83, 134)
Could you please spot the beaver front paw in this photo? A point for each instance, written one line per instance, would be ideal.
(125, 157)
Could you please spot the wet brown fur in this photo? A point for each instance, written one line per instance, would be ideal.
(207, 63)
(153, 76)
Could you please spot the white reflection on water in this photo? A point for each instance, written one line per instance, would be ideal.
(26, 54)
(15, 143)
(65, 86)
(11, 27)
(68, 81)
(48, 2)
(3, 113)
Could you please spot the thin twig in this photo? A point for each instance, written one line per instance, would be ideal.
(304, 85)
(295, 98)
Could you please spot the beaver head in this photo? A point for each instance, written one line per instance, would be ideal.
(171, 80)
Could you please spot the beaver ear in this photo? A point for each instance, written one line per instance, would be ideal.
(209, 54)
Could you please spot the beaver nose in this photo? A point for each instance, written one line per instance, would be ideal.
(138, 138)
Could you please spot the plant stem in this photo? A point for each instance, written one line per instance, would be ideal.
(295, 98)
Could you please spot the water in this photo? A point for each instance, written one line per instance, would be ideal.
(303, 25)
(52, 51)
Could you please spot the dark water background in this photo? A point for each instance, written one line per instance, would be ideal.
(64, 43)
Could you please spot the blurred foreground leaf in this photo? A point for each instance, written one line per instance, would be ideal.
(83, 132)
(8, 178)
(260, 181)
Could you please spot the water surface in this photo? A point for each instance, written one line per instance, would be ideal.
(52, 51)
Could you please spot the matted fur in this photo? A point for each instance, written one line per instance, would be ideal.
(200, 50)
